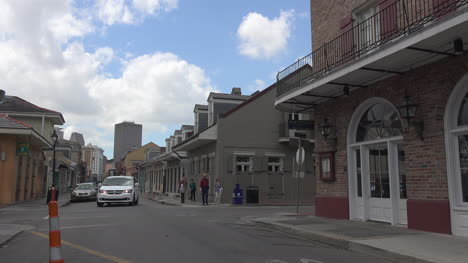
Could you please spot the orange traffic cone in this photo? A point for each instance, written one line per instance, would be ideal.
(55, 246)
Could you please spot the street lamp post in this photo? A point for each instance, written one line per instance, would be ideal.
(54, 139)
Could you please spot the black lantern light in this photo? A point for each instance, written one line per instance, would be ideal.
(325, 128)
(408, 111)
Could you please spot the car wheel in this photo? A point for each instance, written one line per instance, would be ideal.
(99, 204)
(136, 202)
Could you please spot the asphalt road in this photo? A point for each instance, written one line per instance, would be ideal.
(151, 232)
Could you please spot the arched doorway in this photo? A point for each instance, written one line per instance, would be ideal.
(376, 174)
(456, 144)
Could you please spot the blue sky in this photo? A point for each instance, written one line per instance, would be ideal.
(102, 62)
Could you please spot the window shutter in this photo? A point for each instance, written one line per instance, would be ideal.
(188, 168)
(309, 163)
(443, 7)
(202, 165)
(347, 41)
(388, 19)
(258, 164)
(287, 164)
(229, 163)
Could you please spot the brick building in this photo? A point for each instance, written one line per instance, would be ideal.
(386, 84)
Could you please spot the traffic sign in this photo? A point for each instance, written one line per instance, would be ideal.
(300, 155)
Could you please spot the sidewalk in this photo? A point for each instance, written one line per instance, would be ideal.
(176, 202)
(10, 231)
(391, 242)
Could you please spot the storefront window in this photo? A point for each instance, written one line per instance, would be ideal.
(378, 168)
(274, 164)
(379, 121)
(243, 163)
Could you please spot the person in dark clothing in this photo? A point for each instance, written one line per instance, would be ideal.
(193, 189)
(49, 194)
(205, 186)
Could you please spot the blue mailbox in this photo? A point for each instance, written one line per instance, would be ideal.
(237, 195)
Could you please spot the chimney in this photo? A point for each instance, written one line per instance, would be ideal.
(2, 95)
(236, 91)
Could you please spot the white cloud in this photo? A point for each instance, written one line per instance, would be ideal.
(151, 6)
(114, 11)
(264, 38)
(45, 65)
(130, 12)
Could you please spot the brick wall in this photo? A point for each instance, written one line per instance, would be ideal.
(430, 87)
(327, 18)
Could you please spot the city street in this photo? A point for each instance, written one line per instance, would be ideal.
(152, 232)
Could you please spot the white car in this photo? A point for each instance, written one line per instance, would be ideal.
(118, 189)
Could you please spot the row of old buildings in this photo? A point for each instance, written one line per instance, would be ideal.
(385, 90)
(238, 139)
(26, 152)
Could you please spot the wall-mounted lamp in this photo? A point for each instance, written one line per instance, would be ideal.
(325, 128)
(408, 111)
(458, 46)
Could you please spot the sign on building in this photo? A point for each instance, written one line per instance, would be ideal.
(22, 149)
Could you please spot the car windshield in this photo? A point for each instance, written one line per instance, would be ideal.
(118, 181)
(84, 187)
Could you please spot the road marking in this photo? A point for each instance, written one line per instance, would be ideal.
(305, 260)
(81, 217)
(71, 227)
(87, 250)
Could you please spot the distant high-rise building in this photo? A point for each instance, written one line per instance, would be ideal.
(127, 137)
(77, 137)
(93, 156)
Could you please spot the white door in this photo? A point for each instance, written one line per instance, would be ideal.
(380, 203)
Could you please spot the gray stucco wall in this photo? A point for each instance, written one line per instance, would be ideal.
(255, 128)
(220, 108)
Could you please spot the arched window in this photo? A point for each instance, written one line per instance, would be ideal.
(379, 121)
(462, 120)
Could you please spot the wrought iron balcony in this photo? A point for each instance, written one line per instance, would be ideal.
(400, 18)
(304, 127)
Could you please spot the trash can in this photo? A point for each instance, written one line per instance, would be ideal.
(251, 194)
(237, 195)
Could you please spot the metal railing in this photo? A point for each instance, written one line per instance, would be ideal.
(401, 17)
(285, 132)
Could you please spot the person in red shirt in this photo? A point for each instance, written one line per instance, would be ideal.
(204, 186)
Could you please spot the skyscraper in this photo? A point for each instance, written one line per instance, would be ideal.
(127, 137)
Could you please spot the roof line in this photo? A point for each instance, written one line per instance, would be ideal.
(251, 99)
(34, 105)
(17, 121)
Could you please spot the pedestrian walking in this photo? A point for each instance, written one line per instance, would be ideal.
(205, 186)
(182, 187)
(218, 191)
(193, 189)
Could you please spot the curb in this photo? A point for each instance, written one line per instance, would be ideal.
(161, 202)
(11, 237)
(345, 244)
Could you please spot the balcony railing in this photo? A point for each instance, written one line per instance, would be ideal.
(286, 132)
(401, 17)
